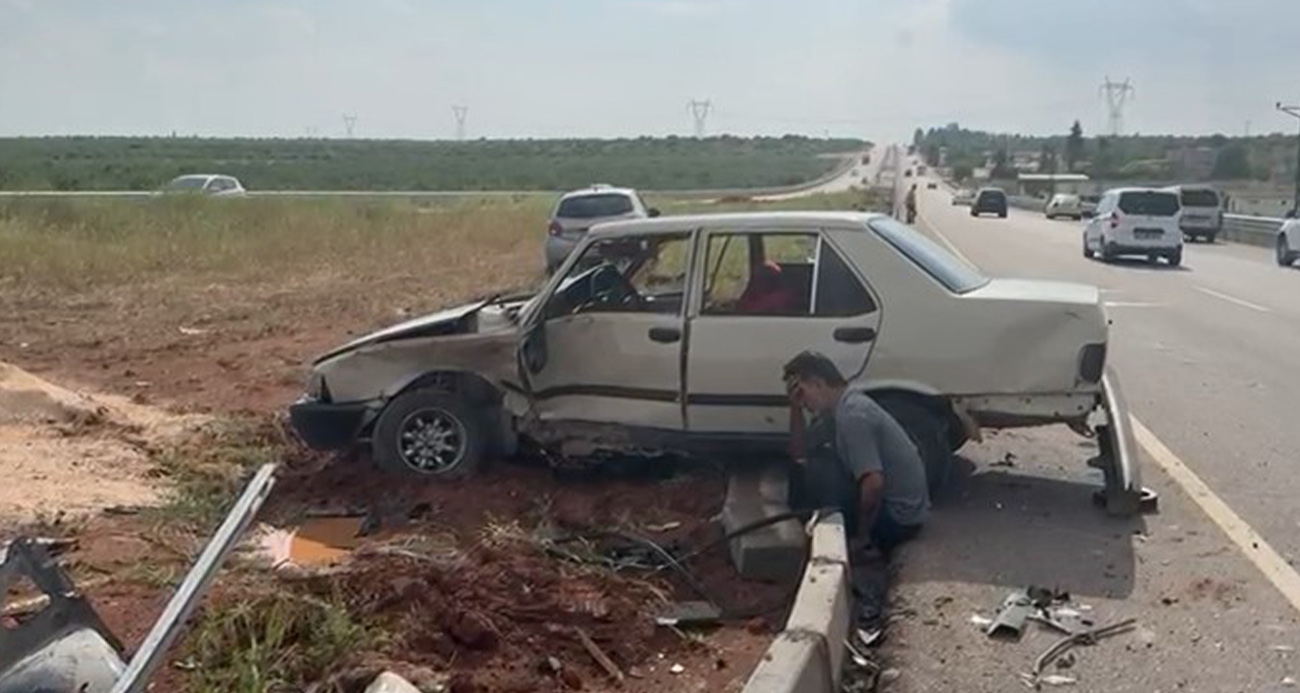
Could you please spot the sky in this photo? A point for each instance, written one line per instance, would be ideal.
(608, 68)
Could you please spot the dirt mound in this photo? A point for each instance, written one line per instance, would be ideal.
(73, 453)
(495, 618)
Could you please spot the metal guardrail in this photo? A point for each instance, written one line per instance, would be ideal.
(1261, 231)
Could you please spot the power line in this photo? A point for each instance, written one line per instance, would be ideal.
(461, 112)
(700, 112)
(349, 123)
(1117, 94)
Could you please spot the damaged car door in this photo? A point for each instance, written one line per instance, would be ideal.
(766, 295)
(606, 345)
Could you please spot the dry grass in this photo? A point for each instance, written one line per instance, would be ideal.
(75, 245)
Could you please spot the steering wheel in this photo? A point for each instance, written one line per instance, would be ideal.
(610, 288)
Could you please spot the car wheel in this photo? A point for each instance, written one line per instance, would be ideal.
(1175, 258)
(1087, 252)
(974, 213)
(1285, 257)
(1210, 238)
(1107, 254)
(929, 433)
(431, 433)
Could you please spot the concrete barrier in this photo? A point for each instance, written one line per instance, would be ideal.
(808, 655)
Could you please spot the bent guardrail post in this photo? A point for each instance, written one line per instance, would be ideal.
(1119, 462)
(165, 631)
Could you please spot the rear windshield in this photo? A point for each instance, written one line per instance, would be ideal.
(958, 276)
(1200, 198)
(1067, 198)
(592, 206)
(1150, 203)
(995, 194)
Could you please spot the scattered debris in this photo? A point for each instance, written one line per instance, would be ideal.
(981, 621)
(1065, 661)
(1282, 648)
(1088, 637)
(599, 655)
(1008, 460)
(1288, 681)
(869, 637)
(1049, 680)
(676, 669)
(191, 331)
(388, 682)
(665, 527)
(1168, 601)
(693, 613)
(889, 676)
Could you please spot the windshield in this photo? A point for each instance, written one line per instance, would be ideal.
(187, 183)
(953, 273)
(1150, 203)
(1199, 197)
(592, 206)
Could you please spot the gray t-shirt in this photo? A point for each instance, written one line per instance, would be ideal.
(868, 439)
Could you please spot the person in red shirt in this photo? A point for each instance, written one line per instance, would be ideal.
(767, 293)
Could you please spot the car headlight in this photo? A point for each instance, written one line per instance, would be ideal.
(316, 388)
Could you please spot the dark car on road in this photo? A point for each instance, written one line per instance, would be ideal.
(990, 201)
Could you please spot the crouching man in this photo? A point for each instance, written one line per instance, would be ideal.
(854, 456)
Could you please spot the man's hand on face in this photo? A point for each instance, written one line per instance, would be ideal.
(794, 392)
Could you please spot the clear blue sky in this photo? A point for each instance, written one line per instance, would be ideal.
(543, 68)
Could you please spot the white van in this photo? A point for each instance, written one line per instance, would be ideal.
(1136, 221)
(1202, 214)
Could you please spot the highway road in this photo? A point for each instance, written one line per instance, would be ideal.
(1206, 355)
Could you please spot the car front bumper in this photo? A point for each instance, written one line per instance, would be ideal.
(329, 426)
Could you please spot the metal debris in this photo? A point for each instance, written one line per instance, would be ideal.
(1088, 637)
(599, 655)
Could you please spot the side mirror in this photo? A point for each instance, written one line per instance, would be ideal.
(653, 212)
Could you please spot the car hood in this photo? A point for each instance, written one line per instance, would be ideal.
(449, 321)
(1038, 290)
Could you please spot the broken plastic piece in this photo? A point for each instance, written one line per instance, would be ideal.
(688, 613)
(1011, 617)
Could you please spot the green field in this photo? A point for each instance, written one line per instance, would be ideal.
(671, 163)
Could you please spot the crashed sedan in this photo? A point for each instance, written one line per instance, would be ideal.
(669, 334)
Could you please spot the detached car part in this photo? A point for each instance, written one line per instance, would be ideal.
(66, 648)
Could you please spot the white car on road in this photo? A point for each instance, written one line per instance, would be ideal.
(670, 335)
(1288, 241)
(579, 210)
(1135, 221)
(1064, 205)
(211, 184)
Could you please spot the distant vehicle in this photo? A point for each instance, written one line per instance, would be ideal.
(1135, 221)
(990, 201)
(1064, 205)
(920, 170)
(1088, 203)
(965, 196)
(866, 159)
(579, 210)
(1288, 241)
(907, 173)
(211, 184)
(1202, 216)
(932, 186)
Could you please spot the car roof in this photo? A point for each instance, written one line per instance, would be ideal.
(205, 176)
(733, 220)
(1138, 189)
(993, 189)
(598, 189)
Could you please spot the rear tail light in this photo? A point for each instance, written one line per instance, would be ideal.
(1114, 220)
(555, 229)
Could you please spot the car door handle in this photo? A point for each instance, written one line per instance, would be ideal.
(665, 335)
(854, 335)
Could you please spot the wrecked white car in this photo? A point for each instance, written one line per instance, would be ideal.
(669, 335)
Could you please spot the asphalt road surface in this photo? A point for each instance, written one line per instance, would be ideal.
(1206, 354)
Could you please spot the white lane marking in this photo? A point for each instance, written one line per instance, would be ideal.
(1131, 304)
(944, 239)
(1268, 560)
(1232, 299)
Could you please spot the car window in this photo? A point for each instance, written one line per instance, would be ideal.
(954, 274)
(219, 185)
(593, 206)
(759, 273)
(839, 291)
(187, 183)
(1149, 202)
(638, 274)
(1200, 198)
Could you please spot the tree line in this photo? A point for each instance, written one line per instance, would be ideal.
(1135, 157)
(145, 163)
